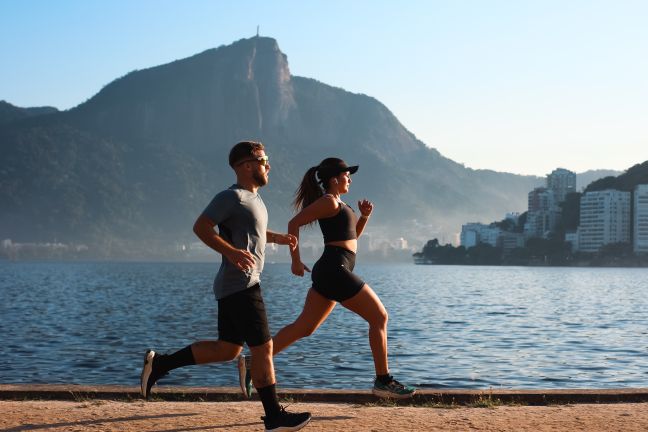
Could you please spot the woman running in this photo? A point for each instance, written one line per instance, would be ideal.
(318, 199)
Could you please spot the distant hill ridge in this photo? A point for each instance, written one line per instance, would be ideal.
(627, 181)
(128, 171)
(10, 113)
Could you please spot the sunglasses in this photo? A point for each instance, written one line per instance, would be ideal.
(263, 160)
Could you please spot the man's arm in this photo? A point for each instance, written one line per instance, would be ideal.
(204, 229)
(282, 239)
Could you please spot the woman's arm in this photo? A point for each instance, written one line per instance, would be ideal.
(324, 207)
(366, 207)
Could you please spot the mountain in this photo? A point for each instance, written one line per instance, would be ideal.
(10, 113)
(128, 171)
(585, 178)
(627, 181)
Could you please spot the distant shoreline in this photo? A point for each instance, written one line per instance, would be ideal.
(539, 265)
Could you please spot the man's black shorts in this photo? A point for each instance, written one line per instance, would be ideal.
(242, 318)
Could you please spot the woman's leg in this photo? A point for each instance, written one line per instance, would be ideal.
(367, 304)
(316, 309)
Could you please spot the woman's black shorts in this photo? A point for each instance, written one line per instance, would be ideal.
(332, 274)
(242, 318)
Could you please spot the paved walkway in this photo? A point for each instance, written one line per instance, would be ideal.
(55, 408)
(139, 416)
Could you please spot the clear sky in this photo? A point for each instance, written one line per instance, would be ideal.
(519, 86)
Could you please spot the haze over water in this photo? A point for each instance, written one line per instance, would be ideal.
(456, 327)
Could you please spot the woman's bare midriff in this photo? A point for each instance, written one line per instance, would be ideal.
(351, 245)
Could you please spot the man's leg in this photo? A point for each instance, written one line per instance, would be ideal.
(157, 365)
(316, 309)
(252, 316)
(276, 417)
(264, 378)
(215, 351)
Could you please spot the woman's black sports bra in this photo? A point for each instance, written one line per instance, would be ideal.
(342, 226)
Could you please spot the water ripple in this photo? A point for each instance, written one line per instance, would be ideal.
(449, 327)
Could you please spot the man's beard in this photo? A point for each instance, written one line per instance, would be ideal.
(260, 179)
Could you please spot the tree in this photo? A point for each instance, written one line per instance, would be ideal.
(484, 254)
(570, 217)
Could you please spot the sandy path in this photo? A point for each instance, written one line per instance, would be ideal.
(138, 416)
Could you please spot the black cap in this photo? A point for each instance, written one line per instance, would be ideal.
(333, 166)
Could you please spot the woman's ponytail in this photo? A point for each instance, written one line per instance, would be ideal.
(309, 190)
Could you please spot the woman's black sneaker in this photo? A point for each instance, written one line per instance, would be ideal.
(392, 389)
(285, 421)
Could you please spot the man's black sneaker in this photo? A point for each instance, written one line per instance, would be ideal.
(150, 374)
(286, 421)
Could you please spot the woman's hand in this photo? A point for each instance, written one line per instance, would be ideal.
(298, 268)
(366, 207)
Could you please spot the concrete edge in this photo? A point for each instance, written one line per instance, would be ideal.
(423, 397)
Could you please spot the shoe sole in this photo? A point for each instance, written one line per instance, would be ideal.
(290, 428)
(242, 374)
(146, 372)
(388, 394)
(248, 382)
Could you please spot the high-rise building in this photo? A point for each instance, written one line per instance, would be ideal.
(640, 240)
(604, 219)
(474, 233)
(561, 182)
(543, 213)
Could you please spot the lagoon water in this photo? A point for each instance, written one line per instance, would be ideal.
(450, 326)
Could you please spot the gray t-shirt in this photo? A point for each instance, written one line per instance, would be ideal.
(242, 220)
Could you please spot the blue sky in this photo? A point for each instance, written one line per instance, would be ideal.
(517, 86)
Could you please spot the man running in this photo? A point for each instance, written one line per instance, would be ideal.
(242, 219)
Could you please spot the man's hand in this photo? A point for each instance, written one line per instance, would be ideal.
(298, 268)
(242, 259)
(286, 239)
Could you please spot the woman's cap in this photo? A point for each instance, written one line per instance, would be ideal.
(332, 167)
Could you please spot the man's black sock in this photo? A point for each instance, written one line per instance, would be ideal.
(268, 396)
(384, 379)
(183, 357)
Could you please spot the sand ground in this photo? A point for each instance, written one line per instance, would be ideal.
(104, 415)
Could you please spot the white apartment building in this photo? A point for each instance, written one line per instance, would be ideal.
(474, 233)
(561, 182)
(604, 219)
(509, 241)
(640, 240)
